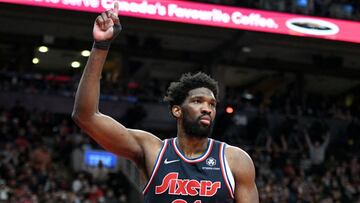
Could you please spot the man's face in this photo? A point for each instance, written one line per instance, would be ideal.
(199, 110)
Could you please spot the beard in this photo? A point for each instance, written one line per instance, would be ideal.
(195, 129)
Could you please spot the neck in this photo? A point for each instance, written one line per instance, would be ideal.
(192, 147)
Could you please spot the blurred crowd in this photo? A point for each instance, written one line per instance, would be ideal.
(300, 159)
(285, 177)
(343, 9)
(289, 99)
(305, 147)
(36, 149)
(65, 85)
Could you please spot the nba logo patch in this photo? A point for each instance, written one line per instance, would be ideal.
(211, 161)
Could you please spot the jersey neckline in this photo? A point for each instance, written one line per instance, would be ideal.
(193, 160)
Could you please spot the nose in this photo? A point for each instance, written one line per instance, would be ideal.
(206, 109)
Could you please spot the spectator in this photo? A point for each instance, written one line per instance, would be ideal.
(4, 191)
(110, 197)
(317, 152)
(41, 158)
(99, 173)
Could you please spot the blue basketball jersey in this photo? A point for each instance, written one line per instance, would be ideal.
(177, 179)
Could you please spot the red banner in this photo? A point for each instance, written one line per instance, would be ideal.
(215, 15)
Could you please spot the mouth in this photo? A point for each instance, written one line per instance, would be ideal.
(205, 120)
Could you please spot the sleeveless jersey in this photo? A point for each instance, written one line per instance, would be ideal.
(177, 179)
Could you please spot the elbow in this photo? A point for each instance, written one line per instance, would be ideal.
(76, 117)
(82, 119)
(79, 120)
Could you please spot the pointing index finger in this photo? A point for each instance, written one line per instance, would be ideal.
(116, 8)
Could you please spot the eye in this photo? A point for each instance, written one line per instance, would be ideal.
(197, 101)
(213, 105)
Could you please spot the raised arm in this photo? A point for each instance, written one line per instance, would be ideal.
(243, 170)
(307, 138)
(327, 139)
(106, 131)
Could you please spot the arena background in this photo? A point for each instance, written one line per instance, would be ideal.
(275, 89)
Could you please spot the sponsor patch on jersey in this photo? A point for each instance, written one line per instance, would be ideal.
(210, 161)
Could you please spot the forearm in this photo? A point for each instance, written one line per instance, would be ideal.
(327, 140)
(88, 92)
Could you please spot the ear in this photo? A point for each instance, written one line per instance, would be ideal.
(176, 111)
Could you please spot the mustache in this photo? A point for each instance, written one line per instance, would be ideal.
(205, 115)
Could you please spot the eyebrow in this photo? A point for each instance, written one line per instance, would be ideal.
(201, 97)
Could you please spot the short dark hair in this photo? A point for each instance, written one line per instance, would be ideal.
(179, 90)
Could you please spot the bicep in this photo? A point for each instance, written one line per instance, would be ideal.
(246, 193)
(114, 137)
(245, 186)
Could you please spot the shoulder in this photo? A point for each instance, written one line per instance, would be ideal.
(243, 170)
(240, 163)
(236, 154)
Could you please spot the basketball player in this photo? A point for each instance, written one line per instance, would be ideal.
(191, 168)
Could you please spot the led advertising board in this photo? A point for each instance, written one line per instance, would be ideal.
(215, 15)
(93, 157)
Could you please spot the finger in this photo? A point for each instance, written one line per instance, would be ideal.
(104, 16)
(114, 18)
(108, 13)
(99, 21)
(105, 21)
(116, 8)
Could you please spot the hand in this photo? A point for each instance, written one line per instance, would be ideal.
(107, 25)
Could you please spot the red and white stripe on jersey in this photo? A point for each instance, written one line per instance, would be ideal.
(226, 172)
(156, 166)
(201, 158)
